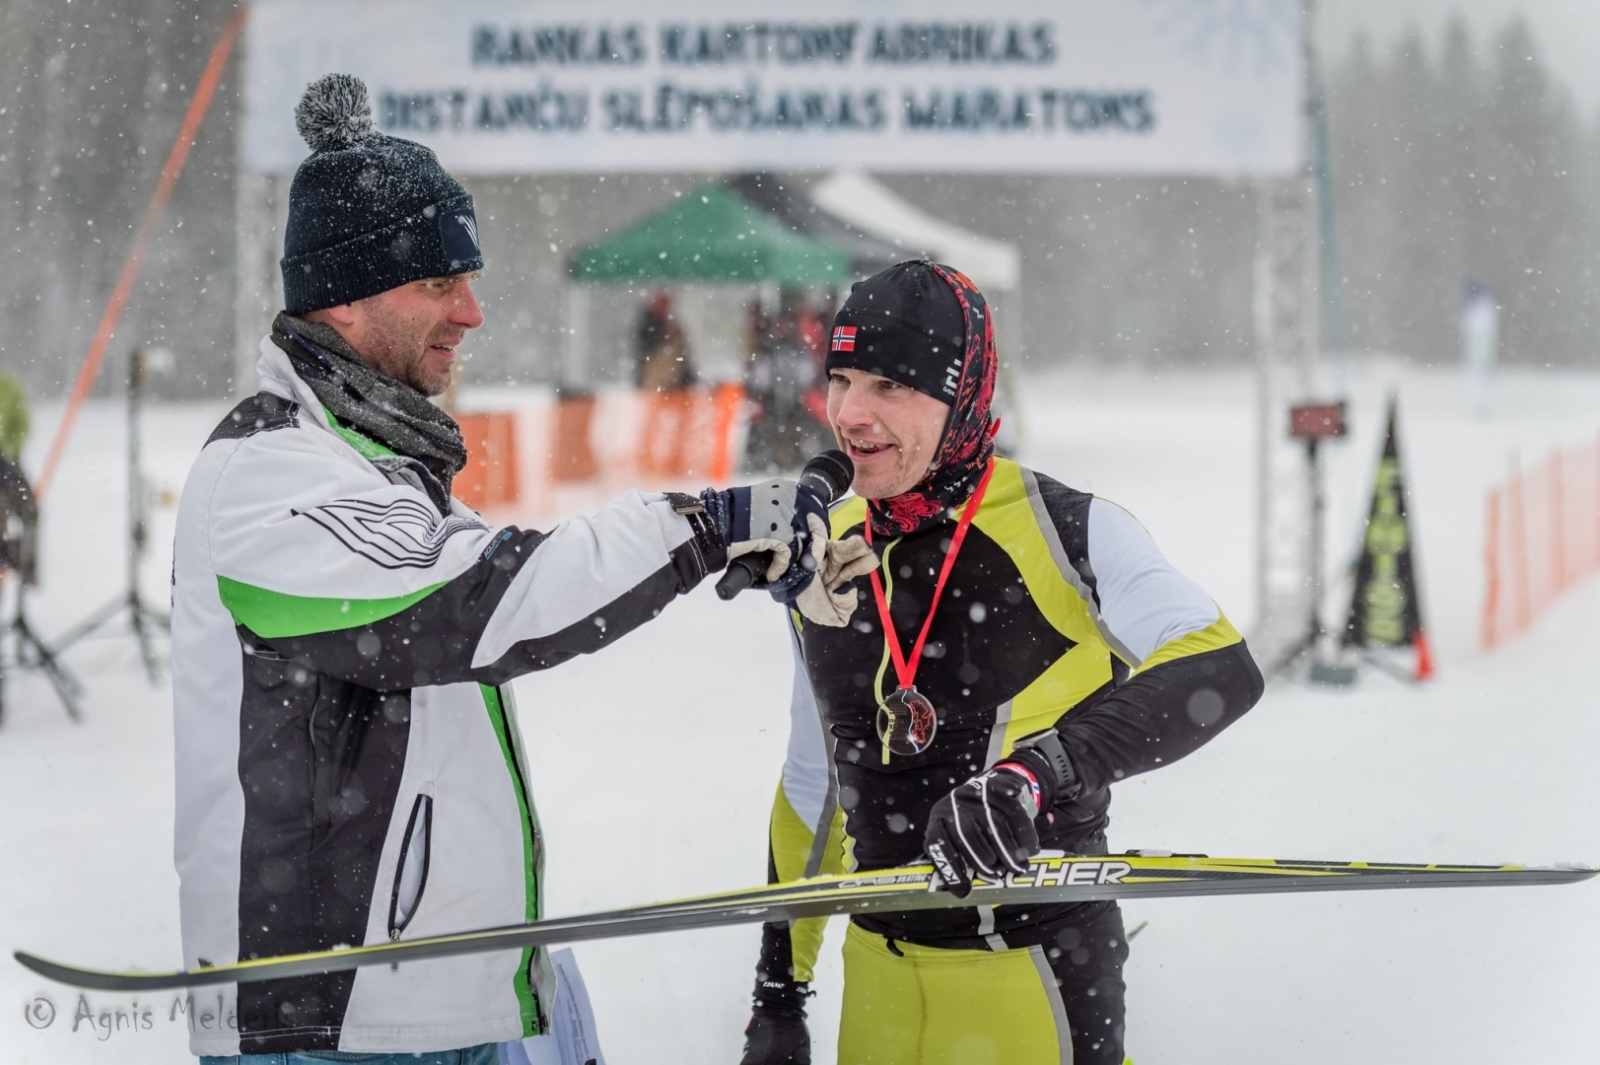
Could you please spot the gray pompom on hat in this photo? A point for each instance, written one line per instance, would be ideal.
(334, 113)
(367, 212)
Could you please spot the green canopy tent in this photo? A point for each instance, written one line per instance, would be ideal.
(709, 236)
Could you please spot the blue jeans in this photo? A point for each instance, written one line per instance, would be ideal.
(483, 1054)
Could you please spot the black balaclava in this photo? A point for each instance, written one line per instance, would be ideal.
(926, 326)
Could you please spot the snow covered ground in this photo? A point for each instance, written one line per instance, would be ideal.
(654, 766)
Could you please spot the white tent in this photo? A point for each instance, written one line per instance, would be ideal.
(994, 265)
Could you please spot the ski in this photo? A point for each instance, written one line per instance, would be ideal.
(1050, 878)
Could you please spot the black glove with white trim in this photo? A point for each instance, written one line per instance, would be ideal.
(985, 827)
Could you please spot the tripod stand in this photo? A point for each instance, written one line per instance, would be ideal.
(30, 652)
(143, 620)
(19, 557)
(1312, 423)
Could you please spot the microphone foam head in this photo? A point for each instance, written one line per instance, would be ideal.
(830, 472)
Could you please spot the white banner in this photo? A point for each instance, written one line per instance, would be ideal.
(1208, 87)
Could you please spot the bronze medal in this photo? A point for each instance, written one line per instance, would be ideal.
(907, 722)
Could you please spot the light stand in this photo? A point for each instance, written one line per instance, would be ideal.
(1314, 423)
(142, 618)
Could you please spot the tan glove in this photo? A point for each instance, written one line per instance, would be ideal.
(780, 555)
(825, 601)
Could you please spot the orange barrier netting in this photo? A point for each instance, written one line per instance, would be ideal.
(646, 438)
(690, 429)
(491, 478)
(1543, 537)
(198, 105)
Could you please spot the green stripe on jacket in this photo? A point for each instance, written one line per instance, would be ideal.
(276, 614)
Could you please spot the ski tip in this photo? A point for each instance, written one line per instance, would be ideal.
(41, 967)
(37, 966)
(93, 980)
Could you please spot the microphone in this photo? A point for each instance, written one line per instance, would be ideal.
(829, 475)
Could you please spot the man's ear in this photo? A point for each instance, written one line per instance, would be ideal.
(343, 314)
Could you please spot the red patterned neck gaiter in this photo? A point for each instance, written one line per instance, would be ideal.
(968, 441)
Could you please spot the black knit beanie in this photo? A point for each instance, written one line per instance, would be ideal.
(367, 212)
(905, 324)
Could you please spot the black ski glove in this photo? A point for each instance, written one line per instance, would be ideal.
(986, 826)
(776, 1034)
(776, 1039)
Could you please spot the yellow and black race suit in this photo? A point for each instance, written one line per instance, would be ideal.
(1060, 613)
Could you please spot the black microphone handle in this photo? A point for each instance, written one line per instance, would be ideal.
(742, 572)
(829, 475)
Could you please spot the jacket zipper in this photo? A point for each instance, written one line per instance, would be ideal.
(421, 822)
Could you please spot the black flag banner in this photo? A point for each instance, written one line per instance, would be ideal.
(1385, 610)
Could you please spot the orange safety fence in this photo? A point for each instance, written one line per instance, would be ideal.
(515, 457)
(572, 457)
(689, 430)
(1542, 539)
(490, 476)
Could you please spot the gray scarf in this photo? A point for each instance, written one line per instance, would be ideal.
(427, 443)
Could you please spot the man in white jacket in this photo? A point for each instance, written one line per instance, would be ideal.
(348, 768)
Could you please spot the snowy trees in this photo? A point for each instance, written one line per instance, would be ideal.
(1451, 160)
(91, 97)
(1462, 163)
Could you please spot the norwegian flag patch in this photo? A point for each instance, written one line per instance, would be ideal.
(844, 338)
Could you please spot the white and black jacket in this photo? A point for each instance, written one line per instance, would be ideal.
(348, 764)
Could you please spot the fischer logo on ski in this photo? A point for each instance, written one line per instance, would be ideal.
(1065, 872)
(1050, 871)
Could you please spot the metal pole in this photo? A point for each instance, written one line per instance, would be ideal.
(1333, 333)
(1314, 472)
(575, 368)
(1287, 338)
(136, 523)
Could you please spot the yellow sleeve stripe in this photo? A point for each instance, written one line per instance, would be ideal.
(851, 512)
(1214, 637)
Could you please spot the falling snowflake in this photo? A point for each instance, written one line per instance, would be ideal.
(1253, 36)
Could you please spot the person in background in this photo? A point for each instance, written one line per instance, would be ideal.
(19, 511)
(783, 374)
(811, 324)
(662, 348)
(1480, 342)
(14, 423)
(664, 375)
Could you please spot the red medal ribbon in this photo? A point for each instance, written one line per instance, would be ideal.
(906, 672)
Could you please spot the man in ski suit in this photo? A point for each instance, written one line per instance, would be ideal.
(1059, 652)
(348, 762)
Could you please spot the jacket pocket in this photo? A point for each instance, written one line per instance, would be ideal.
(411, 871)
